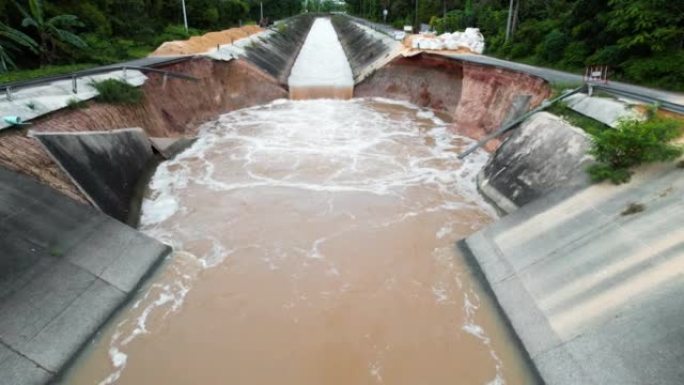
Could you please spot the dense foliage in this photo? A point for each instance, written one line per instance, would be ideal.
(642, 40)
(631, 144)
(105, 31)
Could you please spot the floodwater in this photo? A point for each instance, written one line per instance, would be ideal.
(314, 245)
(321, 69)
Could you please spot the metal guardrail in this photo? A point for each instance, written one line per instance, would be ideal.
(673, 107)
(10, 87)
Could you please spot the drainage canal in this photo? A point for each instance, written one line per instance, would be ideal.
(314, 245)
(321, 69)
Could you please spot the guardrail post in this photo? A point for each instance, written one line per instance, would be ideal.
(124, 73)
(8, 91)
(74, 84)
(166, 76)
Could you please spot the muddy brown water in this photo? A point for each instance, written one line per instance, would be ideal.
(314, 245)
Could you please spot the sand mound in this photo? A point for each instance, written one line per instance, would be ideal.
(206, 42)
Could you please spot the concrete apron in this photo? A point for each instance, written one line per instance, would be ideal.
(592, 282)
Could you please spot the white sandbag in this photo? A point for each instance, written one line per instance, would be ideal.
(470, 39)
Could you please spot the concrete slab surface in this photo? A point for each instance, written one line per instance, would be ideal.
(606, 110)
(544, 154)
(64, 269)
(105, 165)
(596, 295)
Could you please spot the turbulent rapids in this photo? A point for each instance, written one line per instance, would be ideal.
(314, 245)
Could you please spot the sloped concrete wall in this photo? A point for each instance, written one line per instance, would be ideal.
(366, 49)
(542, 155)
(276, 50)
(64, 268)
(106, 166)
(594, 289)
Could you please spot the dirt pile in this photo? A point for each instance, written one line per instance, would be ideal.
(206, 42)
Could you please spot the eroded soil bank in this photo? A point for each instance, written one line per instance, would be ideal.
(314, 245)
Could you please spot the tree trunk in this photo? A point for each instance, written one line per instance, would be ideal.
(43, 48)
(509, 21)
(514, 24)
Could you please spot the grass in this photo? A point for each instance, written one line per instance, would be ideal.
(115, 91)
(75, 104)
(20, 75)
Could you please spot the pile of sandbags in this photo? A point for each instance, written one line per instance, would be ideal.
(471, 39)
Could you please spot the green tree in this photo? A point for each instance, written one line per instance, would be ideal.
(52, 32)
(11, 39)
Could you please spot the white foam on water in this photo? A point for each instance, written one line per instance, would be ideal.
(351, 140)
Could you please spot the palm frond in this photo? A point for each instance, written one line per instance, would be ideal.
(71, 38)
(6, 62)
(65, 21)
(36, 7)
(10, 34)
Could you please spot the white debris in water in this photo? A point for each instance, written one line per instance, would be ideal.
(321, 61)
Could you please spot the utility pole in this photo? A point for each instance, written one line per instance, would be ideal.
(510, 21)
(261, 6)
(415, 22)
(185, 16)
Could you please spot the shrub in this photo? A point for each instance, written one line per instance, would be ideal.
(552, 47)
(576, 53)
(75, 104)
(631, 144)
(611, 55)
(658, 70)
(117, 92)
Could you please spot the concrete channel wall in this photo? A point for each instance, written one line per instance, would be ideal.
(275, 50)
(106, 166)
(64, 268)
(542, 155)
(367, 50)
(592, 280)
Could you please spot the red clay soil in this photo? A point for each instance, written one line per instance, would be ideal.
(172, 111)
(424, 80)
(477, 97)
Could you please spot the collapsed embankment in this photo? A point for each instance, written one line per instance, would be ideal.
(172, 110)
(479, 98)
